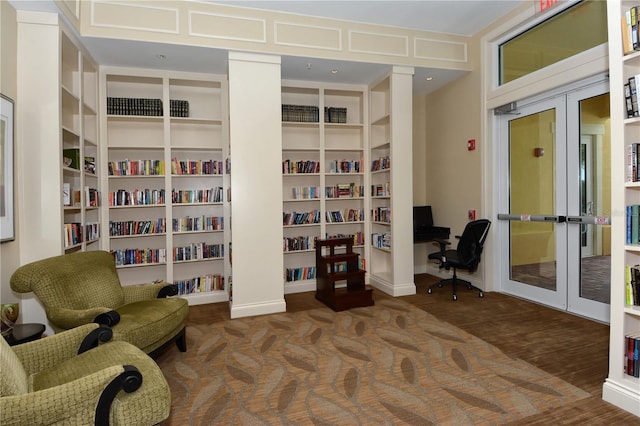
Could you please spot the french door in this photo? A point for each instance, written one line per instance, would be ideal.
(554, 198)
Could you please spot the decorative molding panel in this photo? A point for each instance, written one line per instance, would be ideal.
(440, 49)
(135, 17)
(309, 36)
(227, 27)
(379, 44)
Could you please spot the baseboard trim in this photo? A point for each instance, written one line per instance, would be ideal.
(621, 396)
(251, 310)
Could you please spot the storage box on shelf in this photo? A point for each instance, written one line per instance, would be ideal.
(323, 176)
(622, 387)
(166, 168)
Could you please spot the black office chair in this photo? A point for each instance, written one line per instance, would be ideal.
(465, 256)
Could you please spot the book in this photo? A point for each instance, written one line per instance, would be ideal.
(73, 156)
(66, 194)
(90, 165)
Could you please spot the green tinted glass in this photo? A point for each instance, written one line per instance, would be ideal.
(566, 34)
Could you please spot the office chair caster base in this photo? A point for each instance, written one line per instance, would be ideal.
(481, 295)
(455, 297)
(429, 290)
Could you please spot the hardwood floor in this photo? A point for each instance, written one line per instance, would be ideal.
(570, 347)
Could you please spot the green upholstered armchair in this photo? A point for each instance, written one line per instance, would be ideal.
(84, 287)
(69, 378)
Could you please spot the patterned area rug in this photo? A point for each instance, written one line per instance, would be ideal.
(390, 363)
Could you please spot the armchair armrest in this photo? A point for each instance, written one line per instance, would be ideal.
(109, 318)
(72, 402)
(46, 353)
(70, 318)
(101, 334)
(140, 292)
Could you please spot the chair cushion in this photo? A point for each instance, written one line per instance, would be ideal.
(151, 402)
(13, 377)
(146, 323)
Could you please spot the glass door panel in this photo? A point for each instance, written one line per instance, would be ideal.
(534, 207)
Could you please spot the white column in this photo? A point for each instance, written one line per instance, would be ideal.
(402, 180)
(255, 132)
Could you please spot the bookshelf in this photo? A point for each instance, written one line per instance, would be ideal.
(166, 212)
(620, 388)
(391, 261)
(79, 129)
(324, 152)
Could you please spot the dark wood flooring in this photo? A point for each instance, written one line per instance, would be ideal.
(570, 347)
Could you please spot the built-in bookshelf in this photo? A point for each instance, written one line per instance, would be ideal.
(390, 265)
(79, 128)
(621, 387)
(324, 173)
(166, 151)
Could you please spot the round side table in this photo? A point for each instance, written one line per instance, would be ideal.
(22, 333)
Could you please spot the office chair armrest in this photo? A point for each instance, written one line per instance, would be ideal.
(442, 243)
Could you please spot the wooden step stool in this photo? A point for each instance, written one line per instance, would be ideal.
(332, 268)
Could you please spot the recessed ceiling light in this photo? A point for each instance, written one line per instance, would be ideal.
(429, 78)
(161, 57)
(334, 71)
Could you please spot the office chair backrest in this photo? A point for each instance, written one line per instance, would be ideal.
(472, 242)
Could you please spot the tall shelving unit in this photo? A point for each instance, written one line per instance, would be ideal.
(620, 388)
(166, 214)
(324, 154)
(79, 129)
(391, 260)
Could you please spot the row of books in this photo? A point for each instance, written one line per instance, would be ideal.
(307, 242)
(300, 166)
(381, 214)
(381, 190)
(190, 196)
(299, 274)
(198, 223)
(344, 267)
(344, 166)
(134, 106)
(382, 163)
(349, 215)
(632, 162)
(202, 284)
(301, 218)
(196, 167)
(630, 41)
(302, 242)
(335, 115)
(344, 190)
(137, 227)
(71, 197)
(75, 233)
(136, 168)
(632, 349)
(136, 197)
(146, 107)
(381, 240)
(198, 251)
(632, 285)
(633, 224)
(144, 256)
(358, 237)
(631, 92)
(301, 113)
(306, 192)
